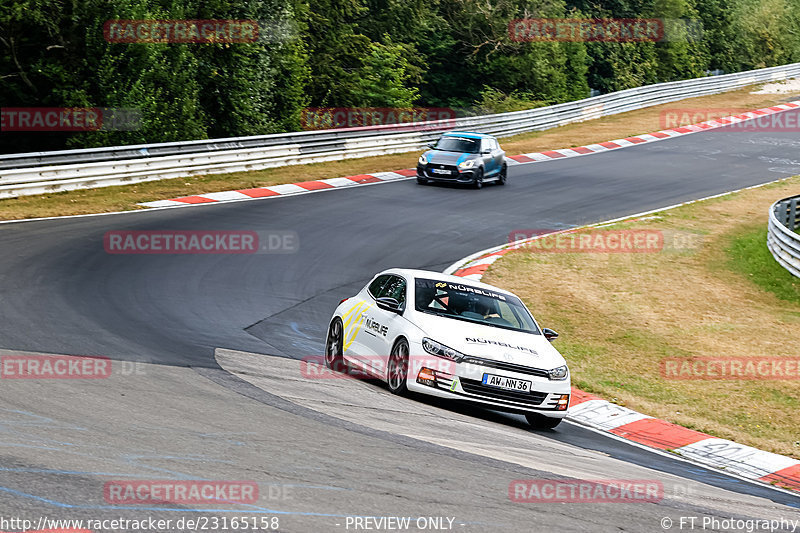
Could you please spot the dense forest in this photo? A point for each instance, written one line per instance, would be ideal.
(337, 53)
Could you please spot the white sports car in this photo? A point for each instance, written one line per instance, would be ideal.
(445, 336)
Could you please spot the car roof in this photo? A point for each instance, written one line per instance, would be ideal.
(429, 274)
(470, 134)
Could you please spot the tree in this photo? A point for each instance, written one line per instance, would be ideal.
(383, 79)
(680, 55)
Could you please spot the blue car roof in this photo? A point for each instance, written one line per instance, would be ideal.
(470, 134)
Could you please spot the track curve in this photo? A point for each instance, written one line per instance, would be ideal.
(61, 293)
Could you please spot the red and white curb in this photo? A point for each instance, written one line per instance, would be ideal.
(601, 415)
(745, 461)
(535, 157)
(655, 136)
(284, 190)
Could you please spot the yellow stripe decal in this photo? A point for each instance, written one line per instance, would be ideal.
(357, 325)
(351, 311)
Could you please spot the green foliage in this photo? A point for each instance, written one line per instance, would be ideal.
(339, 53)
(618, 66)
(54, 54)
(679, 55)
(495, 101)
(768, 32)
(720, 35)
(383, 80)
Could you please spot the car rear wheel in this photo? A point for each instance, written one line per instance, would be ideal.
(477, 182)
(501, 178)
(333, 346)
(397, 371)
(538, 421)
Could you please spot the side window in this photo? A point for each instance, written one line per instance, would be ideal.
(486, 144)
(377, 284)
(394, 288)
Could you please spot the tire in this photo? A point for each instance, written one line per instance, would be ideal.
(501, 178)
(397, 371)
(477, 183)
(538, 421)
(422, 181)
(333, 346)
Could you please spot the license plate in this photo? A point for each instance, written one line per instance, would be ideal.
(506, 383)
(440, 171)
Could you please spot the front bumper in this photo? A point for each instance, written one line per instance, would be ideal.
(456, 175)
(463, 382)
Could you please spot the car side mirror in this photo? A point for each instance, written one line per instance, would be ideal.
(389, 304)
(549, 334)
(486, 152)
(431, 145)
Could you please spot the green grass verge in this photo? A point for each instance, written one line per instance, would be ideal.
(748, 255)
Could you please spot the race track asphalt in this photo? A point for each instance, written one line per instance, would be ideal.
(171, 411)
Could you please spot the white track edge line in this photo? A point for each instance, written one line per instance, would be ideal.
(203, 204)
(466, 260)
(681, 458)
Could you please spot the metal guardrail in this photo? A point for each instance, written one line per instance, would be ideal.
(43, 172)
(782, 239)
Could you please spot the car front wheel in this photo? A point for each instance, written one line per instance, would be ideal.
(501, 179)
(477, 181)
(398, 367)
(538, 421)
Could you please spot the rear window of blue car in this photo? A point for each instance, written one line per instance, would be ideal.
(459, 144)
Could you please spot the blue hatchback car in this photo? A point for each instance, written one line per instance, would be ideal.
(463, 157)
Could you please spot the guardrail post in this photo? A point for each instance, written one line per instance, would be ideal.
(782, 212)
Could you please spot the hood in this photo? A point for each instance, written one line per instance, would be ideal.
(440, 157)
(491, 342)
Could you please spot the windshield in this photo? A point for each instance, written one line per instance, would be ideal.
(459, 144)
(472, 304)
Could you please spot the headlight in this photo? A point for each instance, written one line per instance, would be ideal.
(558, 374)
(423, 160)
(440, 350)
(467, 164)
